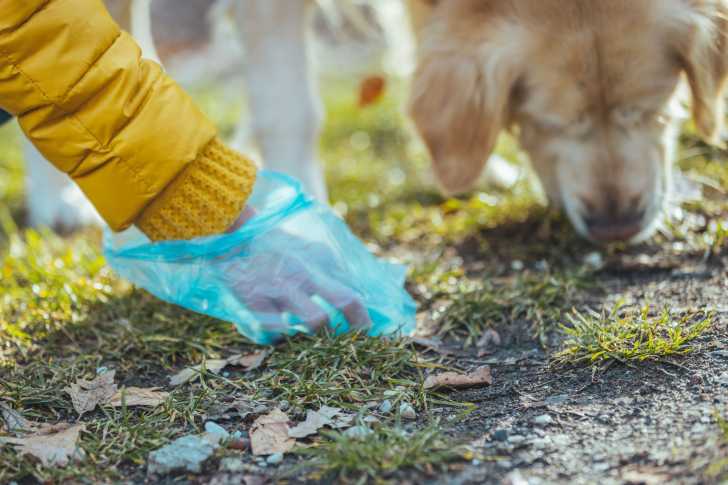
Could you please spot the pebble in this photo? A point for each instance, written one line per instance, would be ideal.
(284, 405)
(500, 435)
(541, 443)
(358, 432)
(385, 407)
(515, 478)
(594, 260)
(517, 265)
(275, 459)
(556, 400)
(214, 429)
(719, 353)
(407, 411)
(722, 379)
(561, 440)
(232, 464)
(516, 439)
(238, 443)
(543, 420)
(185, 453)
(505, 464)
(541, 266)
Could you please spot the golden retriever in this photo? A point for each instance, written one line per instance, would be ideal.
(591, 89)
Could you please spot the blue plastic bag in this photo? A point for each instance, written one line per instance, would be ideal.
(291, 268)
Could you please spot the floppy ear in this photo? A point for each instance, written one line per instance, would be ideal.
(459, 104)
(703, 53)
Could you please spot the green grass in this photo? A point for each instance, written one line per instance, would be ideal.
(11, 172)
(616, 334)
(344, 371)
(538, 299)
(63, 314)
(718, 470)
(381, 454)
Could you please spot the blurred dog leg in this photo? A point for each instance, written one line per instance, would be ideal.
(284, 100)
(52, 199)
(141, 28)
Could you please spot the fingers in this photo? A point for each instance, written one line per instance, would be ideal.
(347, 302)
(300, 304)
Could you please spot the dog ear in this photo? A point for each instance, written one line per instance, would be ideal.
(459, 103)
(703, 53)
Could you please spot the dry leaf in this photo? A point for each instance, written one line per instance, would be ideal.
(86, 395)
(191, 373)
(54, 449)
(269, 434)
(481, 375)
(490, 339)
(431, 344)
(14, 421)
(136, 396)
(248, 361)
(371, 90)
(315, 420)
(240, 407)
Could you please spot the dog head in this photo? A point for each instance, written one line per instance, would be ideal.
(590, 88)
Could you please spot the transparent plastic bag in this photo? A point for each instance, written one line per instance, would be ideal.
(293, 249)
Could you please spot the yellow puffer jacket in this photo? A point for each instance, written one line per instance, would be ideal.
(134, 142)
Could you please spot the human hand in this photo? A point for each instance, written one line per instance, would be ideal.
(279, 288)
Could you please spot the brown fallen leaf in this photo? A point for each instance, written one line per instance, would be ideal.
(269, 434)
(490, 339)
(371, 90)
(481, 375)
(86, 395)
(137, 396)
(55, 449)
(248, 361)
(315, 420)
(191, 373)
(431, 344)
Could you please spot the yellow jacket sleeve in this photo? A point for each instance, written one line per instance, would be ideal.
(130, 137)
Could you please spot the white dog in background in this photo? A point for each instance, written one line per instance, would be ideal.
(285, 109)
(590, 88)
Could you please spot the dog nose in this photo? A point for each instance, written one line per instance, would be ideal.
(613, 224)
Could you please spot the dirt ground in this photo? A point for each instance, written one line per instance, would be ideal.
(63, 315)
(646, 423)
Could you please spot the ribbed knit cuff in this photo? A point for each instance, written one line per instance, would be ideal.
(205, 199)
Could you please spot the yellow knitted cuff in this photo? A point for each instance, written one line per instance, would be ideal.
(204, 199)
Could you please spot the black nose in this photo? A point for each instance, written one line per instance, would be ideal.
(614, 226)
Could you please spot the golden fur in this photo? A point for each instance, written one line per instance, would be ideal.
(589, 87)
